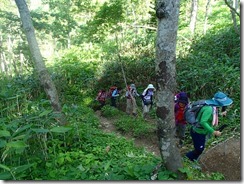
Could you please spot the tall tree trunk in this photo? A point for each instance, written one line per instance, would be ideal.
(4, 65)
(234, 12)
(40, 67)
(234, 16)
(193, 20)
(167, 13)
(206, 17)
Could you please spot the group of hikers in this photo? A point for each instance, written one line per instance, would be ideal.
(131, 95)
(206, 118)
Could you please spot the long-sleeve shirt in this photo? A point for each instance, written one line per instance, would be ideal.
(115, 93)
(205, 117)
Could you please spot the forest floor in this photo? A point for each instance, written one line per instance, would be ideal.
(224, 157)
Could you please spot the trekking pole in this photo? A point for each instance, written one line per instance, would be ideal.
(122, 68)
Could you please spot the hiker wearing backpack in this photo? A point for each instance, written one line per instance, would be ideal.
(180, 122)
(101, 97)
(131, 95)
(147, 99)
(207, 118)
(114, 95)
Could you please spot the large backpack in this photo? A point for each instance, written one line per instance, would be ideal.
(102, 95)
(111, 90)
(191, 111)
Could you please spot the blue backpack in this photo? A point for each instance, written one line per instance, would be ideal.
(191, 111)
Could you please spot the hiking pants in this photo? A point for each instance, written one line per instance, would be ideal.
(113, 102)
(130, 106)
(180, 130)
(146, 109)
(199, 145)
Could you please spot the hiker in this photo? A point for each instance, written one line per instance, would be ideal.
(208, 118)
(101, 97)
(180, 122)
(147, 99)
(114, 95)
(131, 95)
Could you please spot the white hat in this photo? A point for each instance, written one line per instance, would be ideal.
(150, 86)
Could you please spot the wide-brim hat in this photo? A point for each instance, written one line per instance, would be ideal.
(150, 86)
(219, 99)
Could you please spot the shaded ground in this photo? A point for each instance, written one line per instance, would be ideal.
(224, 158)
(149, 142)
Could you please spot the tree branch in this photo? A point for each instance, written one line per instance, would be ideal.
(138, 26)
(233, 9)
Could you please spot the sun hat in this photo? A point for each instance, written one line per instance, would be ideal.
(150, 86)
(219, 99)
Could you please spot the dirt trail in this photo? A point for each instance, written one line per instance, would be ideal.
(149, 142)
(224, 158)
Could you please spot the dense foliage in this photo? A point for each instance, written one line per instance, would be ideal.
(85, 48)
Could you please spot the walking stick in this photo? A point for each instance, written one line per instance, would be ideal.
(122, 68)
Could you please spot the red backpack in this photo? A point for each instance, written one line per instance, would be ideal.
(102, 95)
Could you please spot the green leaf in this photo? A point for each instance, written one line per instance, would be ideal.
(16, 144)
(4, 167)
(68, 159)
(107, 165)
(60, 160)
(184, 170)
(81, 168)
(21, 168)
(19, 137)
(2, 143)
(19, 150)
(44, 113)
(60, 129)
(21, 129)
(4, 133)
(40, 130)
(5, 176)
(163, 176)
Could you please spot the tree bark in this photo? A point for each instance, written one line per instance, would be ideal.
(234, 12)
(4, 65)
(167, 13)
(39, 64)
(193, 16)
(206, 16)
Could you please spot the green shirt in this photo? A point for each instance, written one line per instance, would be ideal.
(205, 117)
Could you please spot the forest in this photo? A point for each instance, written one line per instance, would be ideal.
(55, 56)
